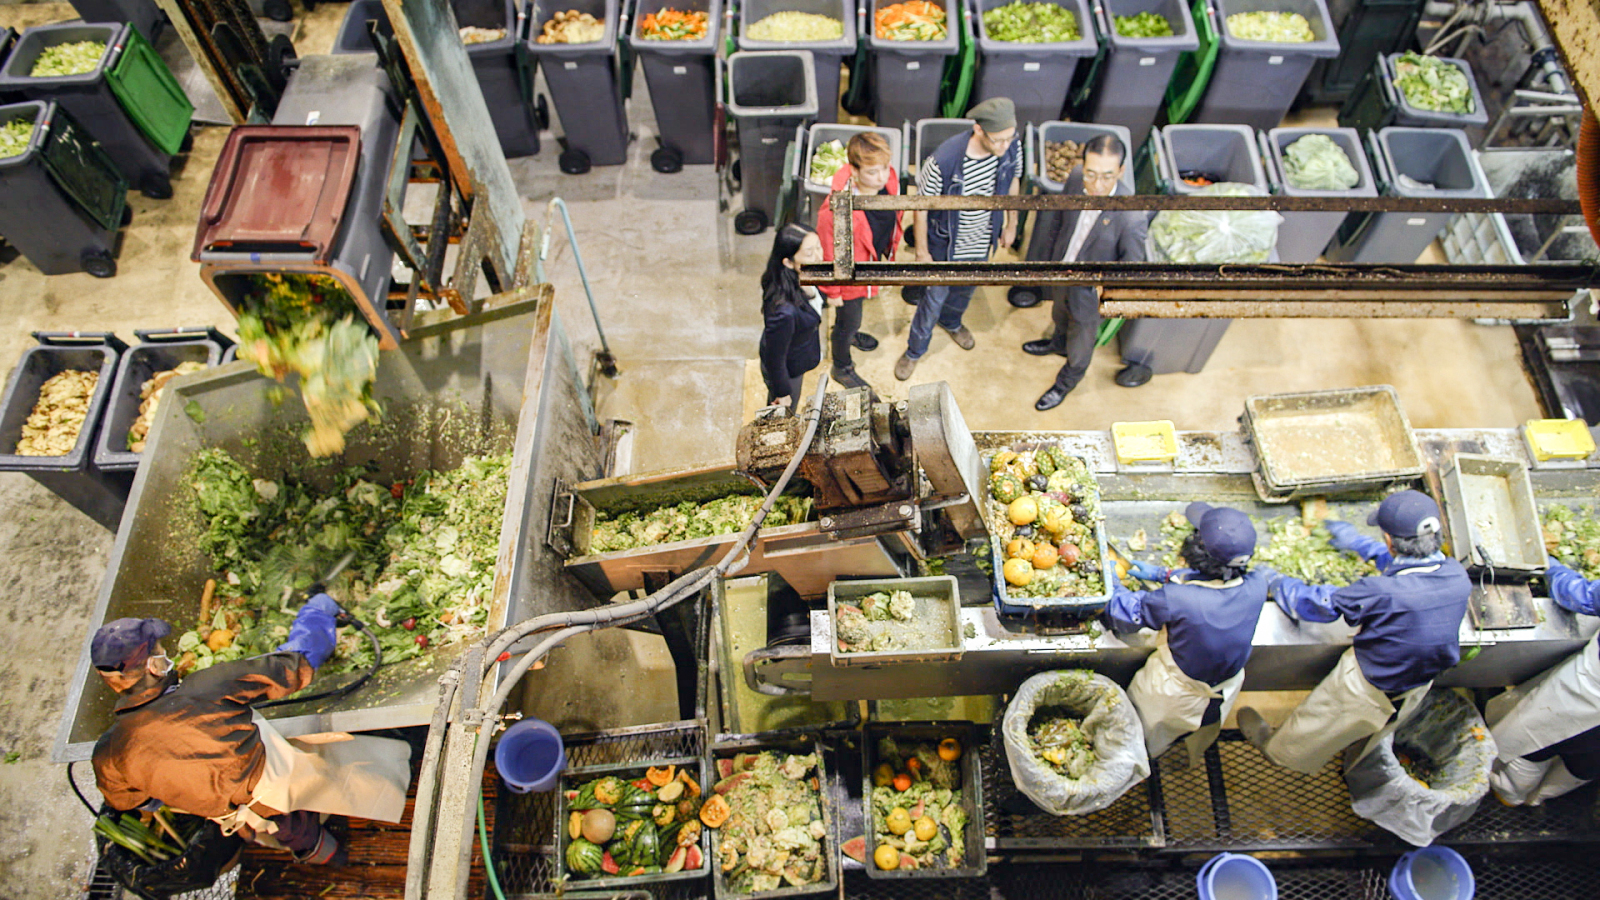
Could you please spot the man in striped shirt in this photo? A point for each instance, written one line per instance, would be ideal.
(976, 164)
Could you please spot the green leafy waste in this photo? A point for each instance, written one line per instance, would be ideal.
(1144, 25)
(687, 521)
(790, 27)
(1433, 84)
(1273, 27)
(1290, 548)
(1317, 163)
(425, 549)
(1031, 23)
(73, 58)
(15, 136)
(1215, 235)
(827, 160)
(1572, 535)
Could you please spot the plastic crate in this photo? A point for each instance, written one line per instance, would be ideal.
(1035, 76)
(725, 748)
(159, 351)
(941, 588)
(974, 854)
(1074, 607)
(573, 778)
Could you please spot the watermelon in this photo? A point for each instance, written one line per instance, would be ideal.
(695, 859)
(676, 861)
(584, 857)
(856, 849)
(724, 768)
(608, 865)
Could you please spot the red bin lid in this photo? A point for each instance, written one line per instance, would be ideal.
(279, 189)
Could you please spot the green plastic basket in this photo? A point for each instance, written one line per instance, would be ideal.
(1192, 73)
(150, 94)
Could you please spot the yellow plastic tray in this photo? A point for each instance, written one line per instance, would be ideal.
(1558, 439)
(1145, 442)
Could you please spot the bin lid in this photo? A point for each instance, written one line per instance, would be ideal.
(150, 94)
(279, 189)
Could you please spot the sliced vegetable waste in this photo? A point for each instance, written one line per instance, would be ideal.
(1215, 235)
(1043, 512)
(474, 35)
(1143, 25)
(673, 25)
(1032, 23)
(165, 837)
(423, 572)
(73, 58)
(891, 620)
(1317, 163)
(913, 20)
(1292, 548)
(921, 825)
(1431, 83)
(687, 521)
(791, 27)
(572, 27)
(150, 399)
(621, 828)
(57, 418)
(1059, 739)
(1275, 27)
(826, 160)
(773, 834)
(1572, 535)
(15, 136)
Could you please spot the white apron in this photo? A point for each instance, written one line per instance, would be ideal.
(1171, 704)
(1556, 705)
(1343, 709)
(335, 773)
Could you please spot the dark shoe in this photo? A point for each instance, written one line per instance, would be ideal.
(903, 367)
(864, 342)
(1023, 297)
(1255, 728)
(912, 294)
(847, 378)
(1052, 398)
(962, 336)
(1042, 347)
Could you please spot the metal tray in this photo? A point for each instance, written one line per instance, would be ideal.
(971, 792)
(1488, 502)
(1348, 438)
(947, 599)
(573, 778)
(727, 746)
(1075, 607)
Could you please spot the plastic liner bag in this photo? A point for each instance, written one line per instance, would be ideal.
(1214, 235)
(1448, 744)
(1316, 163)
(1112, 725)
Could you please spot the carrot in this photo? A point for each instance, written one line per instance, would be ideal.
(206, 593)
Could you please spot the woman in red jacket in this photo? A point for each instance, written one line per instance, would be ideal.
(877, 236)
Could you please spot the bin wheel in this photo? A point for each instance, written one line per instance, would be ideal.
(912, 294)
(278, 10)
(309, 4)
(280, 54)
(187, 143)
(541, 112)
(573, 162)
(750, 221)
(127, 215)
(156, 187)
(99, 263)
(666, 160)
(1134, 375)
(1023, 297)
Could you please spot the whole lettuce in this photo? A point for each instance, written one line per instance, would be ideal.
(1317, 163)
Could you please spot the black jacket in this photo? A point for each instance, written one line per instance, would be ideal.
(1117, 237)
(791, 346)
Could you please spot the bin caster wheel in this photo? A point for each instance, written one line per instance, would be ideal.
(750, 221)
(188, 142)
(541, 112)
(573, 162)
(99, 264)
(912, 294)
(1023, 297)
(1134, 375)
(666, 160)
(278, 10)
(281, 56)
(156, 187)
(127, 215)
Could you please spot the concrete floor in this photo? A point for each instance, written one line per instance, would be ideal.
(676, 290)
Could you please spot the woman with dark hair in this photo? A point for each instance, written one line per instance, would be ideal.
(870, 171)
(791, 344)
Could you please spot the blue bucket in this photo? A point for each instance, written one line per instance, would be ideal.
(1432, 873)
(1233, 876)
(530, 756)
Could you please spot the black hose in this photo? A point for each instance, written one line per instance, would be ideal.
(81, 798)
(377, 660)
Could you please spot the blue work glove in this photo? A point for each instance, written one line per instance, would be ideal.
(314, 633)
(1147, 571)
(1343, 535)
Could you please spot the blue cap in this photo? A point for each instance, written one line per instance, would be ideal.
(1407, 514)
(126, 643)
(1227, 534)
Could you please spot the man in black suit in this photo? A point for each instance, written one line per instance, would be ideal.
(1084, 236)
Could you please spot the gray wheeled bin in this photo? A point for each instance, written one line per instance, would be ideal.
(156, 352)
(907, 75)
(816, 192)
(929, 134)
(770, 95)
(1304, 235)
(73, 476)
(144, 15)
(90, 100)
(826, 56)
(62, 200)
(682, 77)
(1377, 102)
(585, 86)
(353, 36)
(1079, 133)
(1035, 76)
(1255, 82)
(1410, 162)
(1132, 83)
(1222, 153)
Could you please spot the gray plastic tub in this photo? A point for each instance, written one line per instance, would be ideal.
(1134, 74)
(1222, 152)
(1379, 101)
(826, 56)
(583, 80)
(1255, 82)
(38, 214)
(1082, 133)
(1437, 156)
(910, 734)
(907, 74)
(770, 95)
(158, 351)
(1304, 235)
(726, 747)
(1035, 76)
(816, 193)
(929, 134)
(682, 80)
(1489, 504)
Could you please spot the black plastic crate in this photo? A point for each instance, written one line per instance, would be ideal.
(158, 351)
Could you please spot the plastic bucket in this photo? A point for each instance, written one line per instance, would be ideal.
(1233, 876)
(530, 756)
(1432, 873)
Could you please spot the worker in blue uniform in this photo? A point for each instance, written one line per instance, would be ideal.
(1410, 620)
(1207, 615)
(1547, 731)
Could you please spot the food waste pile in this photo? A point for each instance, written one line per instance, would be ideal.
(52, 427)
(686, 521)
(1291, 547)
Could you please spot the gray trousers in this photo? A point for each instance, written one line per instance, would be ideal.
(1076, 313)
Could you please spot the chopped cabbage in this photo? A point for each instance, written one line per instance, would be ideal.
(1031, 23)
(795, 27)
(1144, 25)
(827, 160)
(1434, 84)
(1277, 27)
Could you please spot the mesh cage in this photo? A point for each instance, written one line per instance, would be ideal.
(1014, 822)
(104, 887)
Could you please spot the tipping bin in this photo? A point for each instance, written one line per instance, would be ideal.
(156, 352)
(816, 192)
(62, 200)
(1035, 76)
(826, 56)
(130, 102)
(291, 197)
(1133, 77)
(1304, 235)
(1255, 82)
(1410, 162)
(907, 75)
(682, 80)
(144, 15)
(770, 95)
(584, 86)
(1377, 101)
(72, 476)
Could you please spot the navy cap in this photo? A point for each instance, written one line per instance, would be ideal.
(1226, 534)
(126, 643)
(1407, 514)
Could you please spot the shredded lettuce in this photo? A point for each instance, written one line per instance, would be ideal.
(1435, 84)
(1276, 27)
(1031, 23)
(1144, 25)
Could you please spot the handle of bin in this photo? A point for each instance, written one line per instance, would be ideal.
(1274, 177)
(800, 153)
(80, 339)
(1385, 82)
(1159, 162)
(1028, 155)
(1380, 166)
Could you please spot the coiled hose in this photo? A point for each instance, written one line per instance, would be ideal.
(1589, 172)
